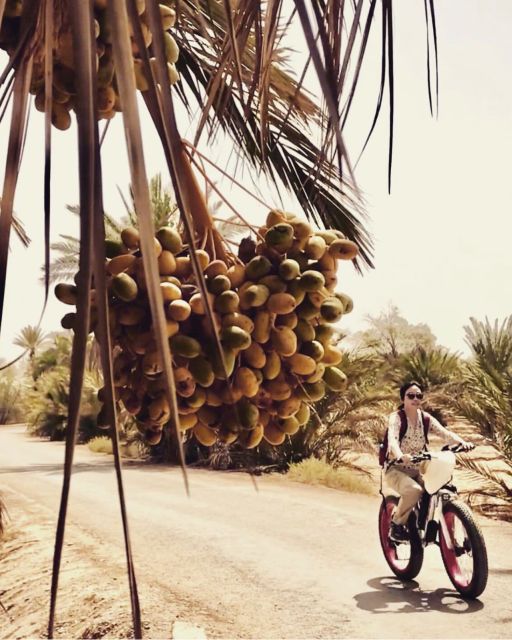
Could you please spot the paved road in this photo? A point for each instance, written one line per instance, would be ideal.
(286, 561)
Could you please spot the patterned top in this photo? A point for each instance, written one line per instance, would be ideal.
(414, 440)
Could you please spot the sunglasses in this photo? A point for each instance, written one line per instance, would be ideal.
(411, 396)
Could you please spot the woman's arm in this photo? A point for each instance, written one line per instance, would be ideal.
(394, 450)
(447, 436)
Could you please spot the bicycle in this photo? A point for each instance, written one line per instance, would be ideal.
(438, 518)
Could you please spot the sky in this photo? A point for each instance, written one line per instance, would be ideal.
(441, 237)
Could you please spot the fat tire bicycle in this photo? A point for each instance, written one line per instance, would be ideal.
(442, 519)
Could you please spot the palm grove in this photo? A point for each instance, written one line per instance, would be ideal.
(231, 63)
(376, 359)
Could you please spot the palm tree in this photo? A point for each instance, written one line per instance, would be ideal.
(58, 354)
(487, 380)
(64, 266)
(431, 367)
(46, 404)
(30, 338)
(439, 373)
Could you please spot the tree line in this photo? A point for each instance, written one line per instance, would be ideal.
(477, 388)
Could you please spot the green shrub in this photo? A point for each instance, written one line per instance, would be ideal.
(47, 405)
(101, 444)
(10, 395)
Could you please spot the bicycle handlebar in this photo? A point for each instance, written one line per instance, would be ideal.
(426, 455)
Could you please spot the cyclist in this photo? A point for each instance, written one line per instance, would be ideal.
(404, 476)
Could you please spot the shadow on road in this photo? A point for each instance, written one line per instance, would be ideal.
(390, 595)
(52, 469)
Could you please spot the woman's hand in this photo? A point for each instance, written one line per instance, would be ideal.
(405, 458)
(466, 446)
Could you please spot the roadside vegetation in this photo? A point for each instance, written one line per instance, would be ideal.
(375, 361)
(315, 471)
(100, 444)
(10, 396)
(477, 389)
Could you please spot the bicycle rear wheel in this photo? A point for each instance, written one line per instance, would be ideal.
(463, 550)
(404, 559)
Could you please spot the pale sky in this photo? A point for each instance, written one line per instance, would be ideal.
(441, 238)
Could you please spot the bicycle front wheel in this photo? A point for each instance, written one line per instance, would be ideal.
(463, 550)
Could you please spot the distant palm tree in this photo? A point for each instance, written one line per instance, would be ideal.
(165, 213)
(487, 378)
(65, 265)
(438, 371)
(30, 338)
(431, 367)
(57, 354)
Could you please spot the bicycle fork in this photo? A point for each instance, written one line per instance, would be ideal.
(431, 520)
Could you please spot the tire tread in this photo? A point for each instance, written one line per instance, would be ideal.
(416, 559)
(480, 561)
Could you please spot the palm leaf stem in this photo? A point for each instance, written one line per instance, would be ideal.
(325, 78)
(187, 192)
(80, 24)
(224, 173)
(133, 135)
(227, 202)
(48, 88)
(14, 152)
(80, 21)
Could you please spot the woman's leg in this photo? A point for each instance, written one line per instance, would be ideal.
(409, 490)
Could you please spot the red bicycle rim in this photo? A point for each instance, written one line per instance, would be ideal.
(459, 539)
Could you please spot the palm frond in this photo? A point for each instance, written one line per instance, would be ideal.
(20, 231)
(14, 155)
(3, 516)
(279, 144)
(30, 338)
(500, 481)
(487, 377)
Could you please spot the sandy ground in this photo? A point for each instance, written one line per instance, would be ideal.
(283, 561)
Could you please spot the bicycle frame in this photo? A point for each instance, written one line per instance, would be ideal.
(434, 514)
(429, 508)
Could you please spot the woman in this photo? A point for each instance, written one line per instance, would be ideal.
(404, 477)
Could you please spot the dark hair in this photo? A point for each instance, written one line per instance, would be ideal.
(408, 385)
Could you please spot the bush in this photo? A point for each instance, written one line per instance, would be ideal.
(10, 394)
(101, 444)
(314, 471)
(47, 405)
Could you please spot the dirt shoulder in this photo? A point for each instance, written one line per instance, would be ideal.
(26, 554)
(93, 596)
